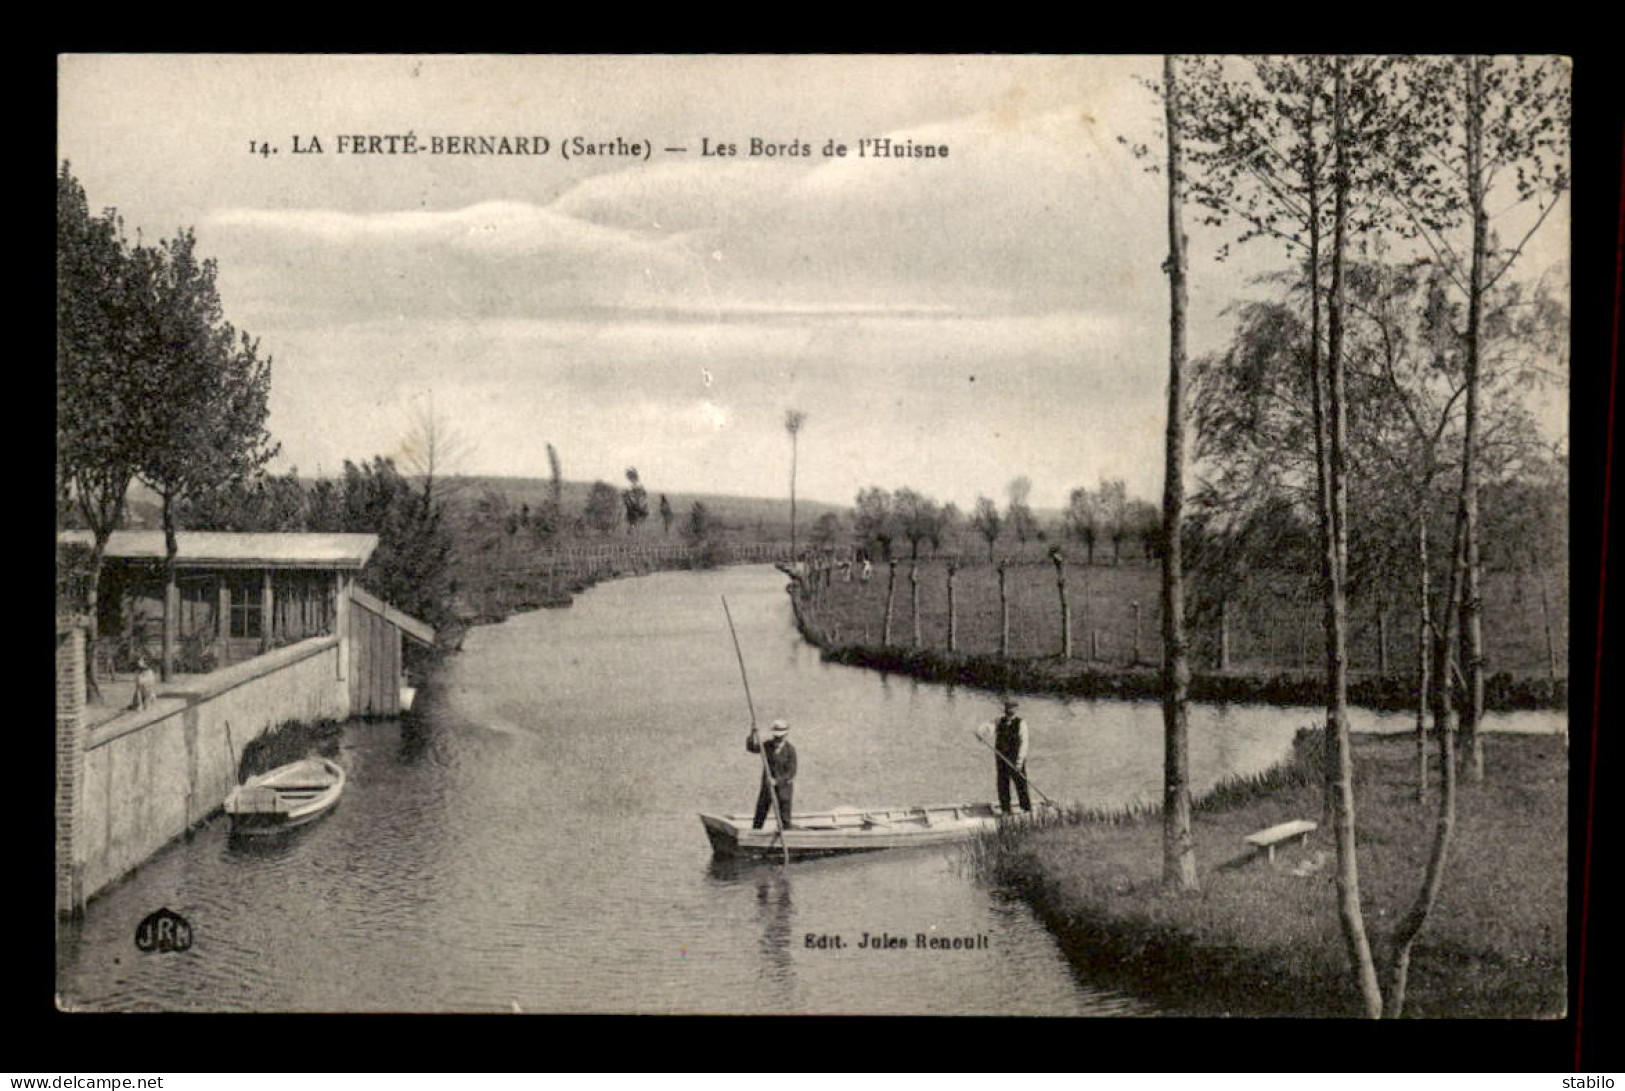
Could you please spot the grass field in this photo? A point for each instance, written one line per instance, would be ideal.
(1116, 612)
(1263, 940)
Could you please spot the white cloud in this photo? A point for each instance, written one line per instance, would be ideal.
(1030, 212)
(498, 226)
(954, 406)
(713, 414)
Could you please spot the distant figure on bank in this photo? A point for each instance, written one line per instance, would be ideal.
(868, 570)
(846, 569)
(1010, 744)
(146, 684)
(781, 759)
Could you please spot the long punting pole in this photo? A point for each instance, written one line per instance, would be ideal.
(1013, 768)
(767, 770)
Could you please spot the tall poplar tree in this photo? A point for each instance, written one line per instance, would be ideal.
(1178, 847)
(1469, 121)
(1273, 151)
(1478, 130)
(794, 419)
(635, 499)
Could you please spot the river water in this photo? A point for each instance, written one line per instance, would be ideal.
(528, 838)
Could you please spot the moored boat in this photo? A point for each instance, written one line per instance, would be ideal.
(288, 796)
(851, 829)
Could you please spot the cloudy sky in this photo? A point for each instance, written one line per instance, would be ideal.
(946, 324)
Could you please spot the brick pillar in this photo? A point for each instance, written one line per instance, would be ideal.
(70, 765)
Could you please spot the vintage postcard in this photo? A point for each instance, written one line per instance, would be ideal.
(871, 535)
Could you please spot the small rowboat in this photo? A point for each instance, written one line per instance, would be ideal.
(288, 796)
(852, 829)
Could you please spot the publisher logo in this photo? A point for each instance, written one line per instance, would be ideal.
(162, 931)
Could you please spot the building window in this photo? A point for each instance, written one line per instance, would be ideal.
(199, 601)
(247, 609)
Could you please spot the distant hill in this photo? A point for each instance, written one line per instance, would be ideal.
(755, 518)
(736, 512)
(740, 513)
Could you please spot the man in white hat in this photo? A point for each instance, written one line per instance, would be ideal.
(781, 759)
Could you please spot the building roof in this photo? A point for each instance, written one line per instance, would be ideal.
(406, 623)
(219, 549)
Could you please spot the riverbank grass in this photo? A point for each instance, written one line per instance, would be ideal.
(1258, 939)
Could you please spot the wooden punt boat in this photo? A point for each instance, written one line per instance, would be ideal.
(288, 796)
(851, 829)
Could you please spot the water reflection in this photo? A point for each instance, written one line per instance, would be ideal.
(415, 735)
(274, 846)
(775, 914)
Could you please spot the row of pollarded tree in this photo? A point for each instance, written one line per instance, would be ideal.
(882, 520)
(1252, 563)
(822, 578)
(1265, 623)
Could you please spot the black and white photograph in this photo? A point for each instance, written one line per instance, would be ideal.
(873, 535)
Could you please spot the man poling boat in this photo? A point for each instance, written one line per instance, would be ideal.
(767, 770)
(1009, 746)
(843, 830)
(778, 774)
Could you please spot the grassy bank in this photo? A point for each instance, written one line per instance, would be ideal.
(1262, 940)
(1116, 649)
(1064, 678)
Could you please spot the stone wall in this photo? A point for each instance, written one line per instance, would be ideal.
(144, 778)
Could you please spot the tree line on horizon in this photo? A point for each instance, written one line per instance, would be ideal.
(881, 520)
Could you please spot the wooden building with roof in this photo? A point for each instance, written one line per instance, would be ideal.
(240, 595)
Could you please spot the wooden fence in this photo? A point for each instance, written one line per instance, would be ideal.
(1112, 615)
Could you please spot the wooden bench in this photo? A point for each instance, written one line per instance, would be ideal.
(1275, 835)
